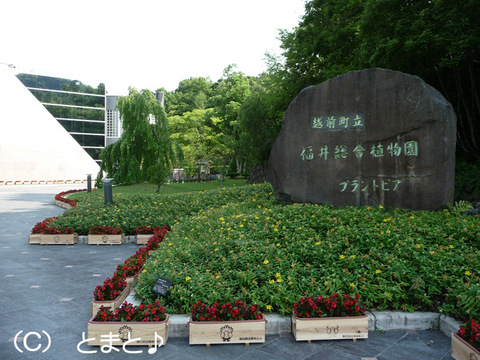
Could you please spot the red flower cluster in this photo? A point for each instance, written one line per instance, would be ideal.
(112, 287)
(105, 230)
(128, 312)
(226, 312)
(44, 227)
(332, 306)
(61, 197)
(157, 238)
(148, 229)
(470, 332)
(135, 262)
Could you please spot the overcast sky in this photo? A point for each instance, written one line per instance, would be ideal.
(142, 43)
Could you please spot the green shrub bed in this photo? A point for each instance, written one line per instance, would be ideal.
(241, 244)
(129, 211)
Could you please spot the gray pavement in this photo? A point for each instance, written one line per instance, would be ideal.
(48, 290)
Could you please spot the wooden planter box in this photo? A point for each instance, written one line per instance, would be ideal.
(330, 328)
(142, 239)
(105, 239)
(112, 304)
(142, 333)
(226, 332)
(34, 238)
(461, 350)
(53, 239)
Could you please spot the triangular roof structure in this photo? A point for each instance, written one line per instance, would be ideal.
(34, 146)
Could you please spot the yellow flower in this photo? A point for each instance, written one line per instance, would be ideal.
(269, 307)
(266, 262)
(187, 278)
(380, 206)
(468, 273)
(352, 256)
(144, 271)
(170, 244)
(278, 275)
(387, 219)
(221, 219)
(217, 277)
(241, 225)
(342, 256)
(272, 281)
(451, 246)
(318, 243)
(378, 271)
(275, 229)
(279, 280)
(412, 217)
(278, 244)
(352, 284)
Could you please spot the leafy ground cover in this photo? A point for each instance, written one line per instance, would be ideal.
(239, 243)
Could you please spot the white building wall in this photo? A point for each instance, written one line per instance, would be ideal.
(33, 145)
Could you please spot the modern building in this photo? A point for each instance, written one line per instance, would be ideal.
(89, 115)
(64, 126)
(34, 146)
(113, 131)
(79, 108)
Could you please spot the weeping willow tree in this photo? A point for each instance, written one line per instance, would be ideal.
(145, 152)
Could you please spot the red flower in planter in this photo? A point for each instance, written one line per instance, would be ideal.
(128, 312)
(44, 227)
(226, 312)
(332, 306)
(105, 230)
(61, 197)
(470, 332)
(112, 287)
(148, 229)
(133, 264)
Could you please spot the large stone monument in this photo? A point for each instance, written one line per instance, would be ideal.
(368, 137)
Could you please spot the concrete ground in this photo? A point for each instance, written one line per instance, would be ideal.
(47, 291)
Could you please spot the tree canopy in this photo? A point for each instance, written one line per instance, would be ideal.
(145, 151)
(237, 118)
(437, 40)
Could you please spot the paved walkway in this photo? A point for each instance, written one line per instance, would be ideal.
(49, 288)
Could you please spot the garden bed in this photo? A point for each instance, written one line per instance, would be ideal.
(240, 243)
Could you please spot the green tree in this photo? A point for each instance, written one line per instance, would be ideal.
(196, 137)
(322, 46)
(437, 40)
(191, 94)
(259, 123)
(229, 94)
(145, 151)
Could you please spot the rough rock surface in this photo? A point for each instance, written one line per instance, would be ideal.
(368, 137)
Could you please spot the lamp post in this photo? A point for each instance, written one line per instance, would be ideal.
(107, 191)
(89, 183)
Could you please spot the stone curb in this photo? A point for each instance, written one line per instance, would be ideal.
(377, 321)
